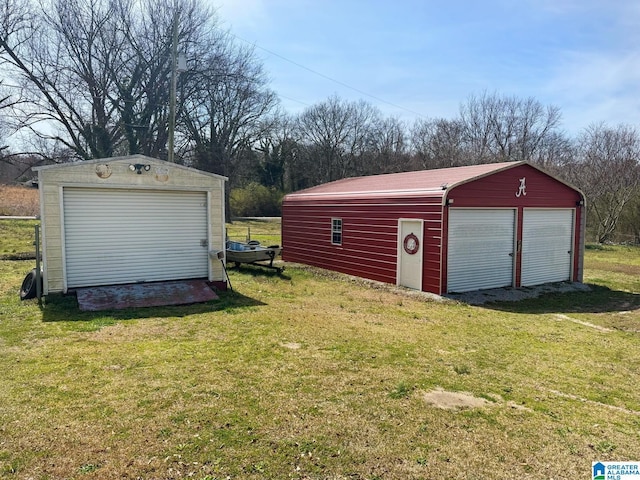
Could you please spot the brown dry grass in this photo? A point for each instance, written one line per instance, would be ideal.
(19, 201)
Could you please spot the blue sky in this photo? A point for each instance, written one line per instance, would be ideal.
(422, 59)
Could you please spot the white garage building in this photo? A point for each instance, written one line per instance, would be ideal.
(129, 219)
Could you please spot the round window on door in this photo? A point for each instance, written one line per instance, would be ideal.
(411, 244)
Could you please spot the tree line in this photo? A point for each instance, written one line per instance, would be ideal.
(90, 79)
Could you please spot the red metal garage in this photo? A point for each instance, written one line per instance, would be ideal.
(448, 230)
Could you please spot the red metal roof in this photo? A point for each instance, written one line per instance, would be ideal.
(436, 182)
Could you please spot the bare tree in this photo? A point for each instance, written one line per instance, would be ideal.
(324, 129)
(387, 147)
(144, 83)
(439, 143)
(335, 135)
(5, 104)
(57, 74)
(501, 128)
(226, 109)
(95, 74)
(478, 117)
(608, 173)
(278, 156)
(537, 127)
(630, 219)
(556, 153)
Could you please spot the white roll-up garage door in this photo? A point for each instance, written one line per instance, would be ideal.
(480, 249)
(115, 236)
(547, 238)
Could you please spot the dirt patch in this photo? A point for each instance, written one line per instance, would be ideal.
(19, 256)
(291, 345)
(152, 328)
(593, 402)
(454, 400)
(440, 398)
(614, 267)
(585, 324)
(517, 406)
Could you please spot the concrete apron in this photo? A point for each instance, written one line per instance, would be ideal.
(117, 297)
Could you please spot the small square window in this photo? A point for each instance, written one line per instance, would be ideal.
(336, 231)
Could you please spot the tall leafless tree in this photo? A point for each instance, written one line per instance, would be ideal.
(439, 143)
(336, 135)
(95, 75)
(501, 128)
(226, 106)
(387, 147)
(608, 172)
(278, 156)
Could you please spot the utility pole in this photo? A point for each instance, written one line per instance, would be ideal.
(174, 86)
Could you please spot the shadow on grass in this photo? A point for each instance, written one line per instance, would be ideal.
(256, 270)
(64, 308)
(597, 299)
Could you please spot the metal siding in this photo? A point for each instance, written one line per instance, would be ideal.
(480, 250)
(369, 247)
(432, 264)
(547, 239)
(500, 189)
(374, 204)
(115, 236)
(578, 267)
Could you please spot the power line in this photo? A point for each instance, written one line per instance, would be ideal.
(315, 72)
(294, 100)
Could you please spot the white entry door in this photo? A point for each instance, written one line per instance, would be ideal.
(481, 249)
(410, 256)
(547, 253)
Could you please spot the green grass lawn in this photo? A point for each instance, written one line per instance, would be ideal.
(315, 375)
(17, 237)
(267, 232)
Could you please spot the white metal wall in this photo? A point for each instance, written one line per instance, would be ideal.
(547, 240)
(115, 236)
(480, 249)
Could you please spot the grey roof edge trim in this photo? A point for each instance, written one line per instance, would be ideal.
(129, 158)
(403, 192)
(486, 174)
